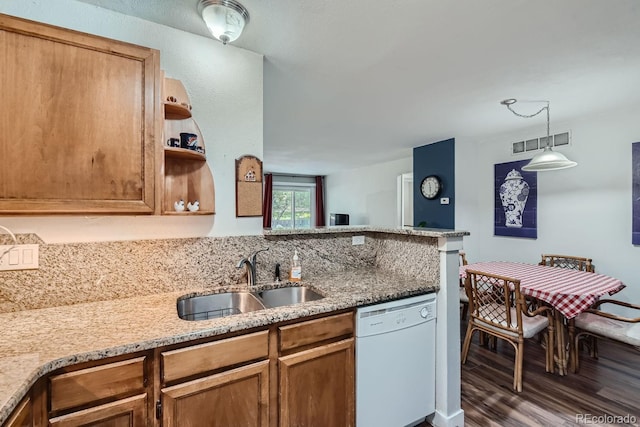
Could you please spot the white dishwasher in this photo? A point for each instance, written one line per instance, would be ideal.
(395, 362)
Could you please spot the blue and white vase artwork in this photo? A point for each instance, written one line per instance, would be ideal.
(514, 192)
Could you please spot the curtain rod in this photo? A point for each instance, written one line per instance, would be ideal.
(292, 176)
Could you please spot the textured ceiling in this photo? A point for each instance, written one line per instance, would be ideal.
(350, 83)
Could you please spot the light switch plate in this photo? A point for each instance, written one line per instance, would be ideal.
(357, 240)
(444, 200)
(19, 257)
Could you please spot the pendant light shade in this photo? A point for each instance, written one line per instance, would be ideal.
(548, 160)
(224, 18)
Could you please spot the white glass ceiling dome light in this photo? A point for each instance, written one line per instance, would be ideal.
(548, 160)
(225, 18)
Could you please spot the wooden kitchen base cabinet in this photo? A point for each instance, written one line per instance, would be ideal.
(111, 394)
(317, 386)
(296, 373)
(23, 415)
(231, 385)
(130, 412)
(239, 397)
(317, 372)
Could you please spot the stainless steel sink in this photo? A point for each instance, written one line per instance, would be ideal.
(217, 305)
(286, 296)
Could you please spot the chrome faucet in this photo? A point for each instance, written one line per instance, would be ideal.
(249, 264)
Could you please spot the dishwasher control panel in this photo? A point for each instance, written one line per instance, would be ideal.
(392, 315)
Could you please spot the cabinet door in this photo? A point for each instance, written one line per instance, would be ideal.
(131, 412)
(23, 415)
(238, 397)
(79, 123)
(317, 386)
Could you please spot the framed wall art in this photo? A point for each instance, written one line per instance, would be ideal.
(635, 192)
(248, 186)
(516, 200)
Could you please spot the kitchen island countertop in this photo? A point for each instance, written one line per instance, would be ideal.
(36, 342)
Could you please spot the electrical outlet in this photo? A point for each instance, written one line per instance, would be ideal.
(357, 240)
(19, 257)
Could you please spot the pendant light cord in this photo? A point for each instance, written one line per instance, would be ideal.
(528, 116)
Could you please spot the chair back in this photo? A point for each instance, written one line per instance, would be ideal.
(495, 301)
(463, 258)
(568, 261)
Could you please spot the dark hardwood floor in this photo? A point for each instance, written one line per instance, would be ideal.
(605, 387)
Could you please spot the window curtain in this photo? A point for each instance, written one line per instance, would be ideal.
(319, 202)
(267, 200)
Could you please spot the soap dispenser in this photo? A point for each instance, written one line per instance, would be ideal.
(296, 268)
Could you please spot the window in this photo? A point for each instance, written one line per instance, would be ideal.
(293, 204)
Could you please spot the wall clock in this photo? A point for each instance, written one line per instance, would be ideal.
(430, 187)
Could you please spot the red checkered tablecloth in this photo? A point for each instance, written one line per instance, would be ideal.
(569, 291)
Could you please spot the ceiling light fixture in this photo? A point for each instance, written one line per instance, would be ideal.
(225, 18)
(547, 160)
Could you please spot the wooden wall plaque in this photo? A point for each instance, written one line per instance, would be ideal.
(248, 186)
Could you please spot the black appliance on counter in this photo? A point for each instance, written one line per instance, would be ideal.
(338, 219)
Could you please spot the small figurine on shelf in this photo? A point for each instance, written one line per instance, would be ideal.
(193, 207)
(179, 206)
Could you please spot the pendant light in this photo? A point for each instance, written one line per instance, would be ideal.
(224, 18)
(548, 160)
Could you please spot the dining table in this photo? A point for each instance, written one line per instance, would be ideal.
(569, 292)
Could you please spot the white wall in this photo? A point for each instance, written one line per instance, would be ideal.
(583, 211)
(225, 88)
(367, 194)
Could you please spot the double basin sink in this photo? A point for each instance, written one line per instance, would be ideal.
(229, 303)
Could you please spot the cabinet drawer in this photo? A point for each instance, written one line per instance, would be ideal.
(92, 384)
(313, 331)
(197, 359)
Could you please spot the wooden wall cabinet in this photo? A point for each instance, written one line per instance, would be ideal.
(80, 122)
(186, 175)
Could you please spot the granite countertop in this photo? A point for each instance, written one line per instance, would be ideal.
(408, 231)
(36, 342)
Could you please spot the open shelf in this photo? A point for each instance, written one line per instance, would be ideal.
(183, 153)
(186, 173)
(189, 181)
(175, 111)
(187, 213)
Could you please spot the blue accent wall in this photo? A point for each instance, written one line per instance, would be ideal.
(434, 159)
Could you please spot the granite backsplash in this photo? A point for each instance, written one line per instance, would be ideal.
(83, 272)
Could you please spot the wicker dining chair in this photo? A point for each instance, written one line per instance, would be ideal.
(497, 308)
(597, 323)
(580, 264)
(464, 299)
(568, 261)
